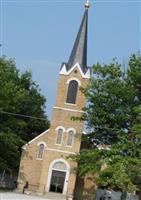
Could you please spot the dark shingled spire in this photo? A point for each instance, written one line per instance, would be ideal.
(79, 51)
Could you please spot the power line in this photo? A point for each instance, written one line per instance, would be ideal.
(69, 1)
(20, 115)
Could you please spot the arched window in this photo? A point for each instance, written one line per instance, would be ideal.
(59, 166)
(41, 149)
(59, 136)
(70, 138)
(72, 92)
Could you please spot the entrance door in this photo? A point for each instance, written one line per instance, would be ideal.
(57, 181)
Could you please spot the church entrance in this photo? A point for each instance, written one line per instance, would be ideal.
(58, 177)
(57, 181)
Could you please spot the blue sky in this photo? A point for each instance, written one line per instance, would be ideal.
(40, 35)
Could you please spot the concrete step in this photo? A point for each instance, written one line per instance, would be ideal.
(55, 196)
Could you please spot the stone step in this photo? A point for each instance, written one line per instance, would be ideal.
(55, 196)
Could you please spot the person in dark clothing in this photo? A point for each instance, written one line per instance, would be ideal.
(25, 186)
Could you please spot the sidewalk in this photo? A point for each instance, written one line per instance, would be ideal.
(17, 196)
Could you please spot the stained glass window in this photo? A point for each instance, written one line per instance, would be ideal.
(70, 138)
(41, 148)
(59, 136)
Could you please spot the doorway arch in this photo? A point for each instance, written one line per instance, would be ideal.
(58, 176)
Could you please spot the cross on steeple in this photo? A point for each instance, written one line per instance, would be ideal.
(87, 4)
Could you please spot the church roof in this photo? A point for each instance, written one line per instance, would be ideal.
(79, 51)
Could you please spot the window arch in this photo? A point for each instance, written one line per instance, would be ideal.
(59, 136)
(70, 137)
(59, 166)
(41, 149)
(72, 92)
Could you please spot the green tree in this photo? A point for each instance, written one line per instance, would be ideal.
(19, 97)
(113, 120)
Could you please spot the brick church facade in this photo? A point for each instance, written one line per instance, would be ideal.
(44, 162)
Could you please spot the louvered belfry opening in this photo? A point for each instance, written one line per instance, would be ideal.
(72, 92)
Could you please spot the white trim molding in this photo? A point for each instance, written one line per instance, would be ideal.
(70, 104)
(24, 146)
(60, 127)
(68, 109)
(74, 79)
(50, 174)
(42, 142)
(63, 71)
(71, 129)
(74, 132)
(44, 147)
(60, 151)
(57, 132)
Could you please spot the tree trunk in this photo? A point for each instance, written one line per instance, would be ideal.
(123, 195)
(140, 194)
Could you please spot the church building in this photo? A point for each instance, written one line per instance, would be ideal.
(45, 162)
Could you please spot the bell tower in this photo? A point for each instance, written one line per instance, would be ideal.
(65, 134)
(69, 99)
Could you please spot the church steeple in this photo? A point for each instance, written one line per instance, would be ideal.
(49, 151)
(79, 51)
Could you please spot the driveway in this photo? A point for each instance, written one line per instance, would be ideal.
(17, 196)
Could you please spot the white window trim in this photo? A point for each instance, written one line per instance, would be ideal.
(70, 146)
(70, 104)
(50, 174)
(45, 145)
(71, 129)
(59, 127)
(74, 132)
(41, 142)
(60, 170)
(74, 79)
(40, 158)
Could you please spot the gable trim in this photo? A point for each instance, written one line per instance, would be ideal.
(63, 71)
(24, 146)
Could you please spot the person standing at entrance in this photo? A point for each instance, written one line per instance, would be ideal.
(25, 186)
